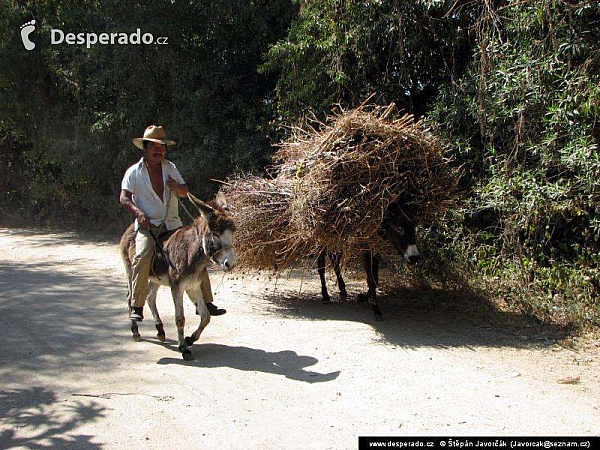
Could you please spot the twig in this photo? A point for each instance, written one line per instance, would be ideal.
(300, 290)
(220, 181)
(107, 395)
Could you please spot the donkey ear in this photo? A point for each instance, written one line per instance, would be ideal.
(221, 201)
(204, 209)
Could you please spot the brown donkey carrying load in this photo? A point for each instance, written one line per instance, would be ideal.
(355, 185)
(188, 251)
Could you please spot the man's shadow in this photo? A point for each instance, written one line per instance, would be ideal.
(287, 363)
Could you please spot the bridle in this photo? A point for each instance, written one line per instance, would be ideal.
(214, 254)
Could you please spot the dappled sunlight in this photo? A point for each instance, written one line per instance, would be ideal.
(37, 418)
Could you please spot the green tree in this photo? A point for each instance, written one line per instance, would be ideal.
(344, 51)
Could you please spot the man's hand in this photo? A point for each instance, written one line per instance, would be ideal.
(180, 189)
(126, 200)
(143, 220)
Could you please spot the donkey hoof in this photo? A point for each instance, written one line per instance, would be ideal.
(160, 332)
(326, 300)
(187, 355)
(135, 331)
(189, 341)
(377, 312)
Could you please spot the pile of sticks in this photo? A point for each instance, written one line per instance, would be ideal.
(331, 184)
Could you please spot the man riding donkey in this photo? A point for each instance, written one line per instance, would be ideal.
(147, 190)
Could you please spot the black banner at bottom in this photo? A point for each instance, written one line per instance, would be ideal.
(461, 442)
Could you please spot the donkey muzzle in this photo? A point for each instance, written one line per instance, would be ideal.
(225, 258)
(411, 255)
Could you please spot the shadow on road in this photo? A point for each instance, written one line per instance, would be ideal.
(33, 410)
(54, 321)
(287, 363)
(50, 238)
(415, 317)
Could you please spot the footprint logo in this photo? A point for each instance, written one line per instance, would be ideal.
(26, 29)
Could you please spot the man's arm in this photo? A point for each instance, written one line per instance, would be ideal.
(180, 189)
(126, 200)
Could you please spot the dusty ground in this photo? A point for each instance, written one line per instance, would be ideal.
(264, 376)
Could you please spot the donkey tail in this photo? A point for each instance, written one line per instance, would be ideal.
(127, 248)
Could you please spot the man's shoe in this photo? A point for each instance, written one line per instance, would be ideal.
(137, 313)
(214, 311)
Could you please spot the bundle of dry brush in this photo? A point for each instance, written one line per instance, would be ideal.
(331, 185)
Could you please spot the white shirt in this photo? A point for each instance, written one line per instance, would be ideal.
(137, 181)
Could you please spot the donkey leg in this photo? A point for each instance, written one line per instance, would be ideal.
(336, 258)
(177, 294)
(374, 304)
(151, 300)
(129, 274)
(371, 265)
(201, 309)
(321, 270)
(366, 261)
(134, 326)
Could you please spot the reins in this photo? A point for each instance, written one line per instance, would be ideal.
(160, 246)
(157, 242)
(184, 208)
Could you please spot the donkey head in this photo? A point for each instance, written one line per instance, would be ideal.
(217, 231)
(399, 228)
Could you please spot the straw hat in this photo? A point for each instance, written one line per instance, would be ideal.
(153, 134)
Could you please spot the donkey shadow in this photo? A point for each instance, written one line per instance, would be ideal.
(421, 316)
(286, 363)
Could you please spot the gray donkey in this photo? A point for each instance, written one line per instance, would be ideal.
(188, 251)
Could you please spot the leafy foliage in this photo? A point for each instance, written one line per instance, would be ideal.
(524, 119)
(72, 111)
(513, 89)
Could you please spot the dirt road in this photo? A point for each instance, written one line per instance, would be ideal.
(264, 376)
